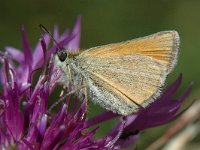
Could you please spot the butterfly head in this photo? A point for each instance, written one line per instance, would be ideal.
(61, 58)
(62, 55)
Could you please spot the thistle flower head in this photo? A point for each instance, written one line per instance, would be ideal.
(27, 123)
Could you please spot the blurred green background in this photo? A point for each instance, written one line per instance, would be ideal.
(111, 21)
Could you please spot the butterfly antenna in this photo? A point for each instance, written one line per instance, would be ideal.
(46, 31)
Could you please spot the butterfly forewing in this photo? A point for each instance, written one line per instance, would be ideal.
(162, 46)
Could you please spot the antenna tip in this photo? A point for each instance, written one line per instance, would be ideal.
(41, 26)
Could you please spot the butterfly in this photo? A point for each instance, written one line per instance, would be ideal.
(125, 76)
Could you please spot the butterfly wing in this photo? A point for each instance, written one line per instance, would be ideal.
(124, 76)
(162, 46)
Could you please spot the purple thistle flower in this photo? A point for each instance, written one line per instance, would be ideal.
(25, 120)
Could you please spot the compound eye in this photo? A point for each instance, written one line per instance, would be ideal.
(62, 55)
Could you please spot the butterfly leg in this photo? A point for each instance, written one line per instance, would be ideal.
(64, 95)
(83, 90)
(63, 91)
(86, 98)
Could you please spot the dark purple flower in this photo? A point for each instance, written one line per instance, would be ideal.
(26, 119)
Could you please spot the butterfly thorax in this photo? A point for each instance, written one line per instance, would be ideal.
(70, 70)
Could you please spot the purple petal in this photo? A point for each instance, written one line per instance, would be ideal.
(118, 133)
(16, 54)
(56, 32)
(32, 134)
(54, 137)
(55, 131)
(13, 118)
(2, 106)
(74, 44)
(24, 87)
(36, 90)
(40, 51)
(40, 106)
(101, 118)
(4, 74)
(27, 50)
(186, 93)
(83, 141)
(27, 145)
(27, 110)
(23, 74)
(43, 124)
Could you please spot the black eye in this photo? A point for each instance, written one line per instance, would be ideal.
(62, 55)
